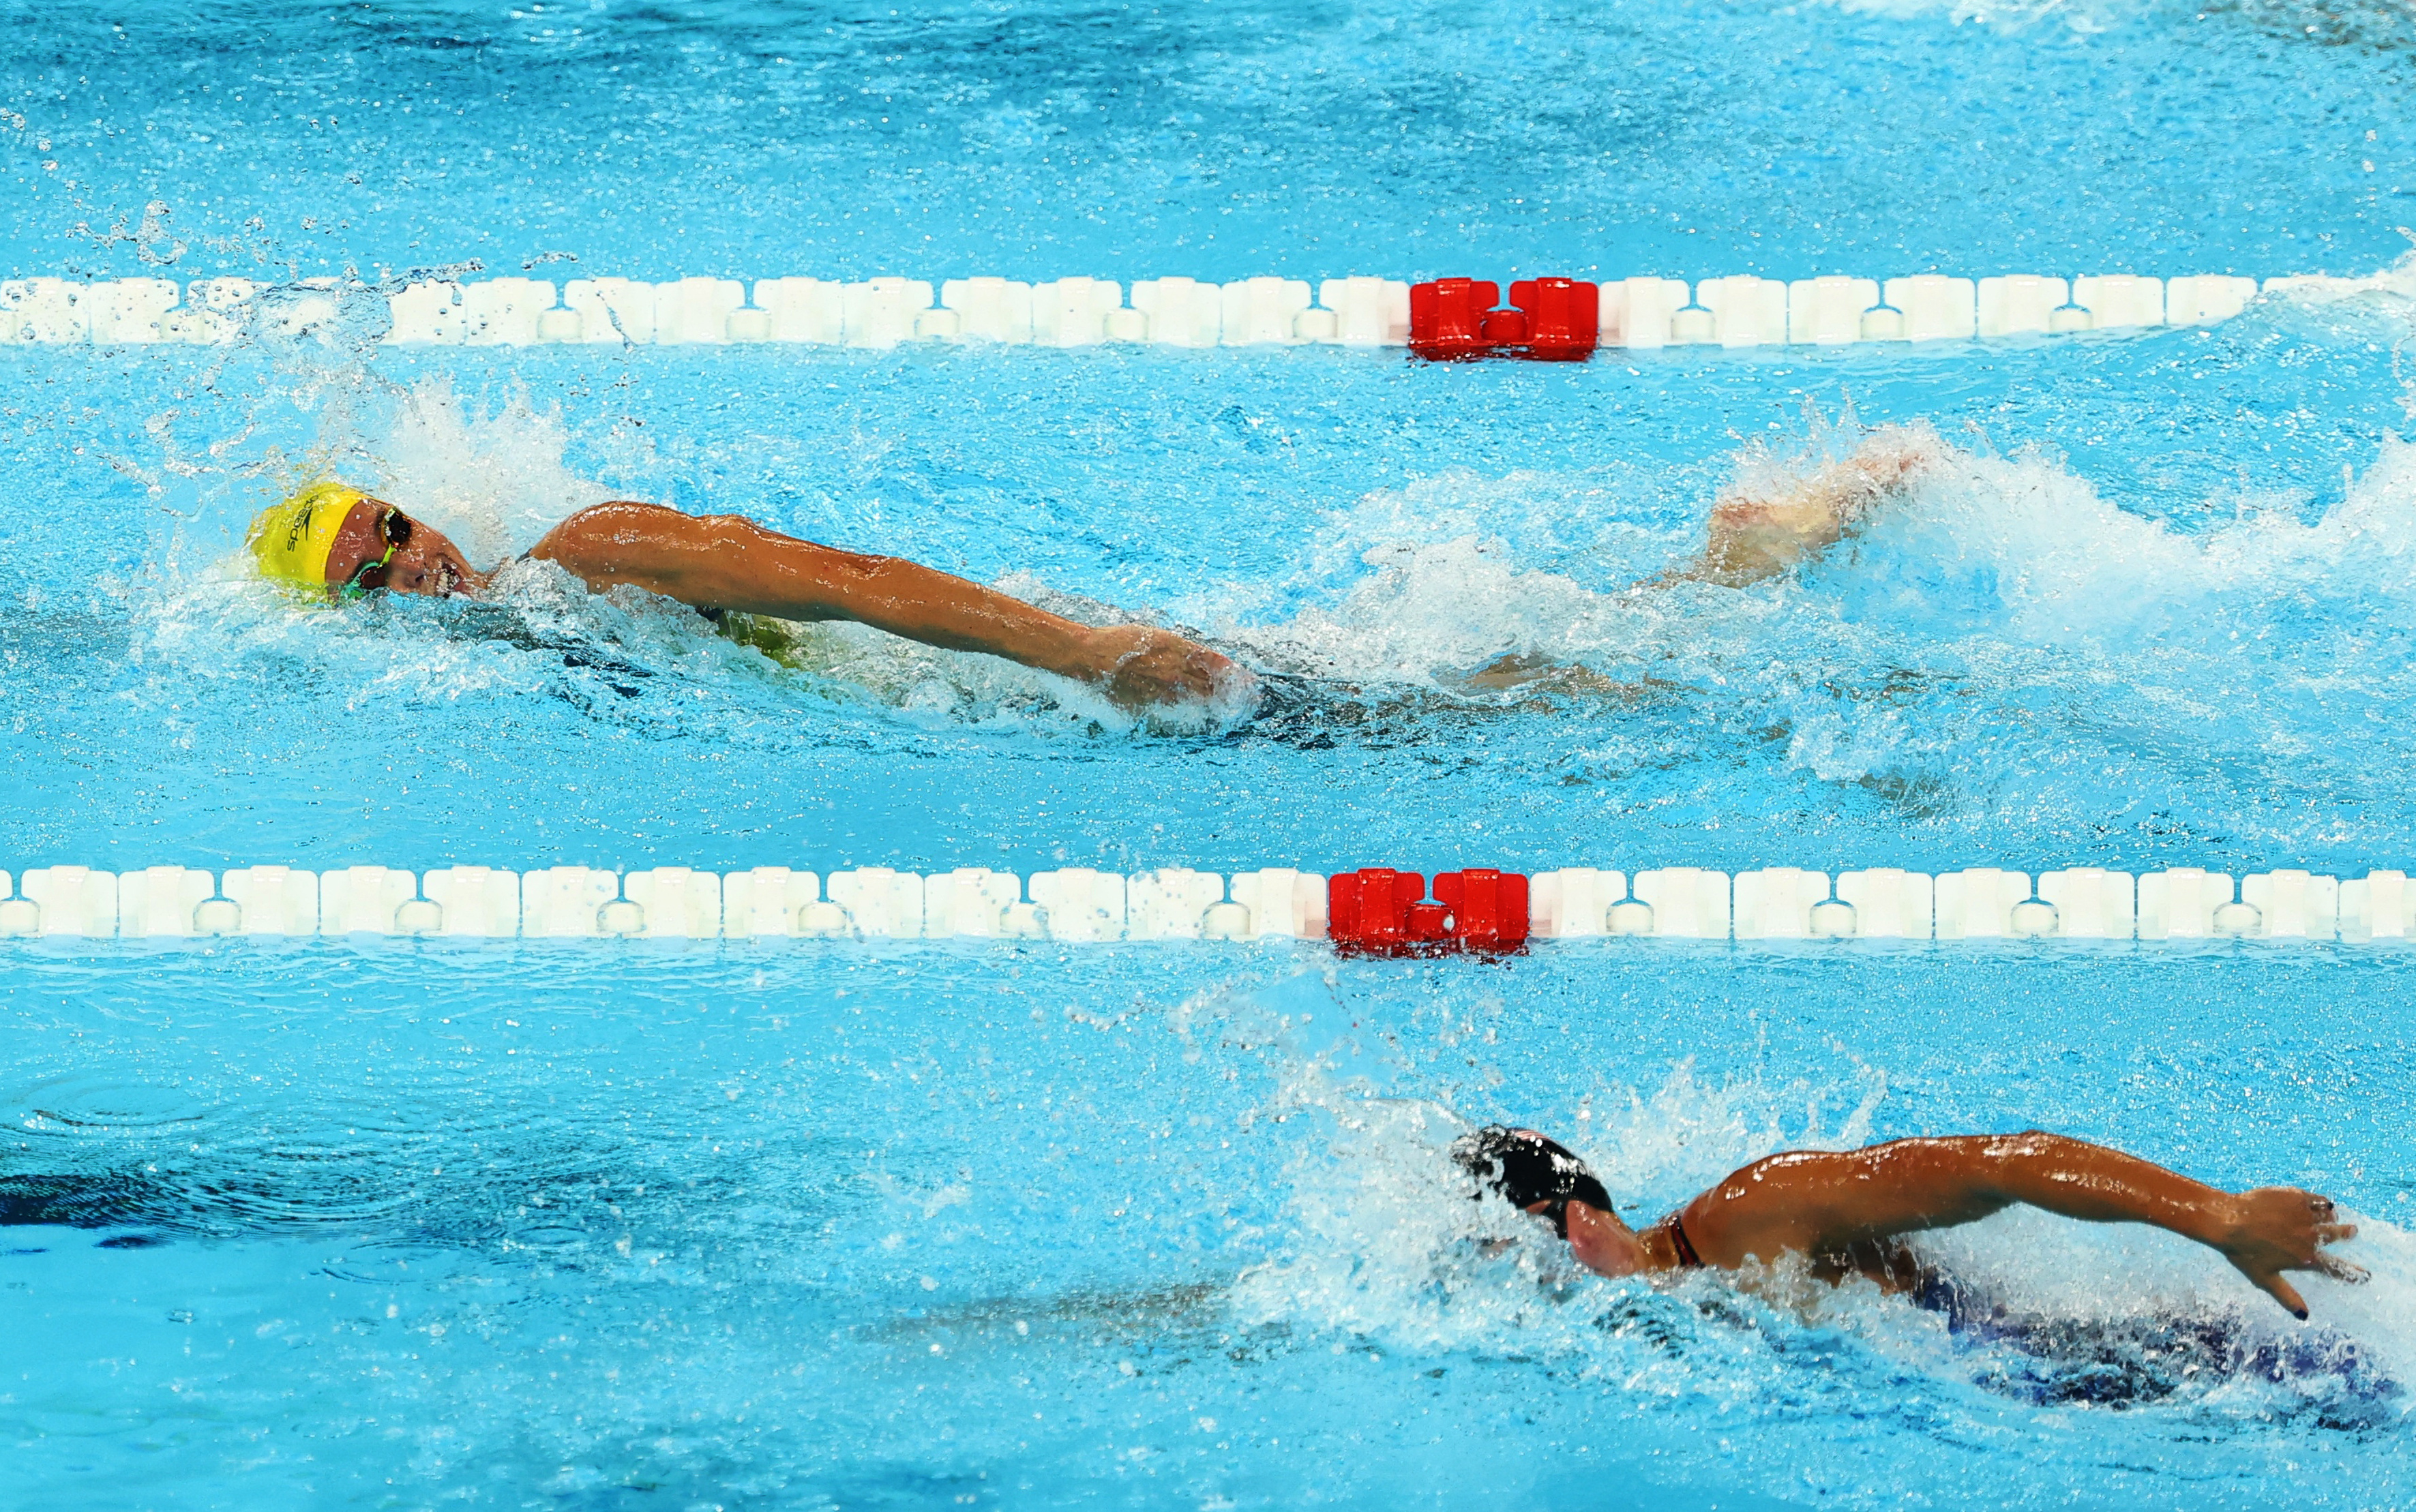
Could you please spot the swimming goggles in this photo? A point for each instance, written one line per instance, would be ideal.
(394, 526)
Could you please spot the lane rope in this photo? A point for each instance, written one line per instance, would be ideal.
(1628, 314)
(1375, 910)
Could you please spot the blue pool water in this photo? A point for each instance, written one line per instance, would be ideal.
(333, 1225)
(1140, 1227)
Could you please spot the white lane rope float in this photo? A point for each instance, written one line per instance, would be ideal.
(1450, 317)
(1371, 911)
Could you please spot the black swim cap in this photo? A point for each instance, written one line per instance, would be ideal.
(1526, 1169)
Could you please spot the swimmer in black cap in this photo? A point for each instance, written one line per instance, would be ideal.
(1848, 1212)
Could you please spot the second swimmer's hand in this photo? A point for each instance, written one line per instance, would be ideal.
(2275, 1229)
(1139, 667)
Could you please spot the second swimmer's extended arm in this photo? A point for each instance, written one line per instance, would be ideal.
(1822, 1203)
(729, 562)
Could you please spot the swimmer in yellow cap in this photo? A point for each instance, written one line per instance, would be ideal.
(330, 538)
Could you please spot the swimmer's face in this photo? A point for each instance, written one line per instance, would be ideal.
(424, 562)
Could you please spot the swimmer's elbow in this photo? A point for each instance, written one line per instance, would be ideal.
(645, 546)
(2045, 1142)
(2008, 1167)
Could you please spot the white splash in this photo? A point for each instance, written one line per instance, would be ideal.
(493, 481)
(1383, 1241)
(2008, 555)
(1380, 1244)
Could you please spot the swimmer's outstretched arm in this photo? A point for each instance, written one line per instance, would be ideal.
(727, 561)
(1838, 1207)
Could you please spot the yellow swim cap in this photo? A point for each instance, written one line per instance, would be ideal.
(292, 540)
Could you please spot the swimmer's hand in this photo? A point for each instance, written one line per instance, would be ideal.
(2275, 1229)
(1139, 667)
(1757, 535)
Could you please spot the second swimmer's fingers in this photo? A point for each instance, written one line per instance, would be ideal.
(2272, 1285)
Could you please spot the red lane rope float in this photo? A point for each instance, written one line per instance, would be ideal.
(1550, 319)
(1447, 319)
(1564, 317)
(1489, 908)
(1379, 911)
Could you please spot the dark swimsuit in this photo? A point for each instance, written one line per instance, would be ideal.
(1687, 1259)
